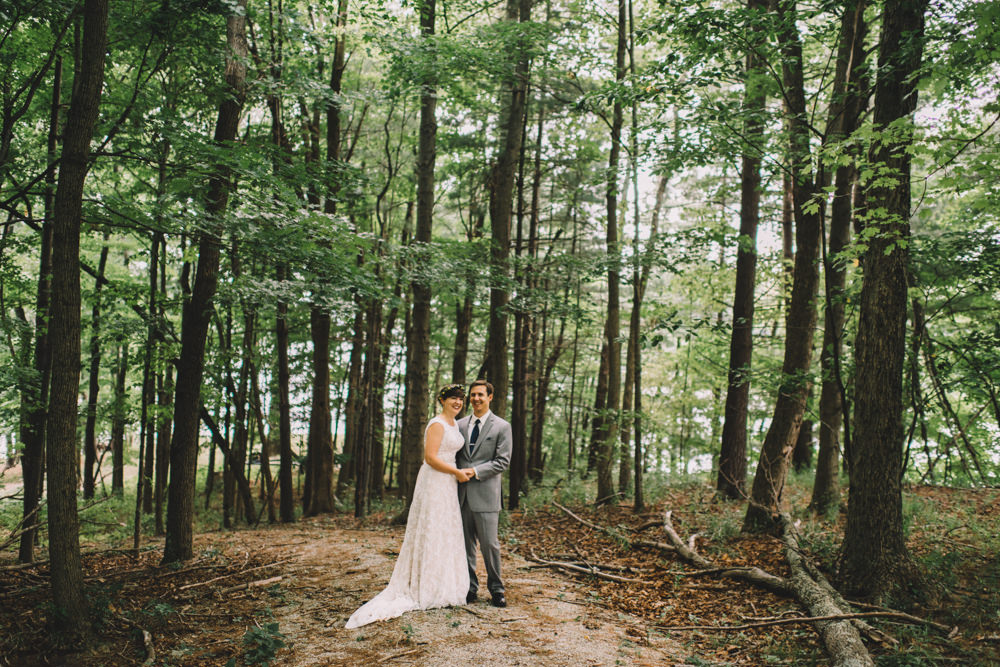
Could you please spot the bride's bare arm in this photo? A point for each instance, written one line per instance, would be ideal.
(432, 443)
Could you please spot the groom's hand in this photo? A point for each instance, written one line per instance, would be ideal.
(471, 472)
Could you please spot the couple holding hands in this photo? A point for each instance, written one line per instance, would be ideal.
(456, 504)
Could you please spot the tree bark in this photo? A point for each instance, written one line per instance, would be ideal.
(94, 381)
(874, 558)
(66, 574)
(35, 392)
(850, 86)
(501, 209)
(419, 330)
(731, 482)
(198, 308)
(321, 497)
(800, 322)
(285, 471)
(608, 432)
(118, 414)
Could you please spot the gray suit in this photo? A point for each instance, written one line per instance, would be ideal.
(480, 496)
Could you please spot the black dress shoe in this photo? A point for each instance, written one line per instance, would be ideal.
(498, 600)
(470, 597)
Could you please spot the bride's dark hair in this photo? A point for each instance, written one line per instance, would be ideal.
(451, 391)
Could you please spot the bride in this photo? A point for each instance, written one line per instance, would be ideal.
(431, 570)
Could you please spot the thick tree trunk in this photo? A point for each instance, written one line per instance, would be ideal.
(874, 558)
(800, 322)
(66, 574)
(198, 309)
(731, 482)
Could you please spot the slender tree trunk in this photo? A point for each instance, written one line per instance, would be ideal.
(731, 482)
(419, 330)
(321, 495)
(118, 415)
(66, 574)
(850, 84)
(800, 322)
(501, 208)
(35, 393)
(874, 558)
(285, 472)
(612, 326)
(198, 309)
(94, 383)
(149, 381)
(354, 404)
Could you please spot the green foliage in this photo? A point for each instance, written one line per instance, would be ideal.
(261, 644)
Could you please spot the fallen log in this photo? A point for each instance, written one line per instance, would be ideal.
(840, 637)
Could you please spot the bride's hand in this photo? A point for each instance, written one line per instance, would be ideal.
(463, 475)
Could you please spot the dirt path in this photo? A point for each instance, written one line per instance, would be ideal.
(548, 621)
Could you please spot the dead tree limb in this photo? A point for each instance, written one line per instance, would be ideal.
(615, 535)
(587, 570)
(798, 620)
(840, 637)
(753, 575)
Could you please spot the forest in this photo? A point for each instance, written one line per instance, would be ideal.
(743, 256)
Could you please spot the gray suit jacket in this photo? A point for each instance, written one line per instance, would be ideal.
(490, 458)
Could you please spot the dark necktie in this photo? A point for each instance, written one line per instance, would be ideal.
(474, 437)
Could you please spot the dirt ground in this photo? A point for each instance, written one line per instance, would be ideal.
(281, 594)
(308, 578)
(548, 620)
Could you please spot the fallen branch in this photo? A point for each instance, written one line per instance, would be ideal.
(615, 535)
(584, 570)
(147, 640)
(233, 574)
(797, 620)
(753, 575)
(251, 584)
(400, 655)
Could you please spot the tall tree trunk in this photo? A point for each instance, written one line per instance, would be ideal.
(35, 393)
(149, 381)
(800, 322)
(731, 482)
(517, 470)
(94, 382)
(354, 404)
(419, 330)
(198, 309)
(501, 208)
(118, 415)
(851, 86)
(612, 325)
(321, 496)
(66, 574)
(285, 472)
(874, 558)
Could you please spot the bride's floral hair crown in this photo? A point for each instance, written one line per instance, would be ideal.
(451, 391)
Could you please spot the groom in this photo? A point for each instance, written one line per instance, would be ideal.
(485, 456)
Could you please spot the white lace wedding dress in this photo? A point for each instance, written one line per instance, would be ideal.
(431, 570)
